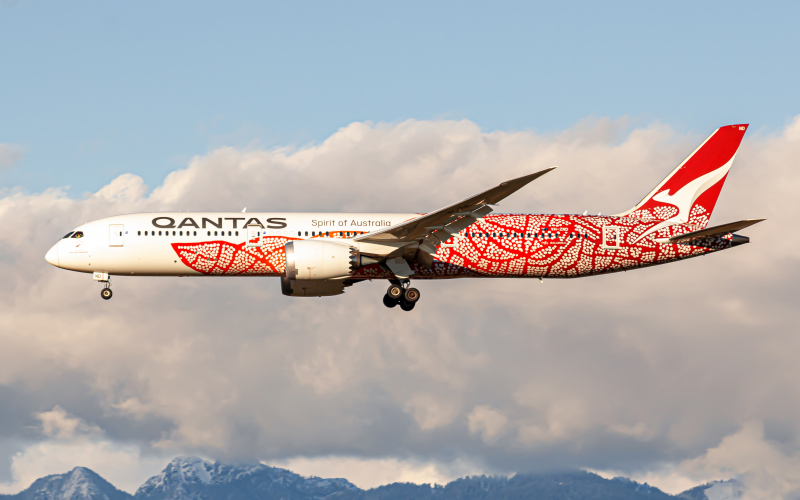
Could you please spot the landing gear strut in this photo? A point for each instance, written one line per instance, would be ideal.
(401, 293)
(105, 279)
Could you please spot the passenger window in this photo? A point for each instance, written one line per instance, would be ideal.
(139, 234)
(237, 233)
(195, 233)
(209, 233)
(215, 233)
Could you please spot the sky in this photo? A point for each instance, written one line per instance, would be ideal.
(676, 375)
(91, 90)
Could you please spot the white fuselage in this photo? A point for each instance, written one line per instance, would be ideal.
(142, 244)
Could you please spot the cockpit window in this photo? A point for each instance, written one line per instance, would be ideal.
(68, 235)
(77, 234)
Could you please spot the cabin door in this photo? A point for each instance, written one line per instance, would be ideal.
(612, 237)
(253, 236)
(116, 235)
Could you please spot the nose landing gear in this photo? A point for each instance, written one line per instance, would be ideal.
(400, 293)
(105, 279)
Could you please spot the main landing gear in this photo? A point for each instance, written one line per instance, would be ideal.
(400, 293)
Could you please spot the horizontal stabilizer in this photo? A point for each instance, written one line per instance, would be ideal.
(711, 232)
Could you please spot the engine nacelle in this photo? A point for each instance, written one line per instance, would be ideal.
(320, 260)
(311, 288)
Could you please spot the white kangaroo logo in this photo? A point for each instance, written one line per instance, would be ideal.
(685, 197)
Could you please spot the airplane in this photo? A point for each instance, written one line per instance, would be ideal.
(321, 254)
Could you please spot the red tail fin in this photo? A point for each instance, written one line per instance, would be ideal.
(689, 193)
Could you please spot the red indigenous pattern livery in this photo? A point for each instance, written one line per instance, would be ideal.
(548, 246)
(226, 258)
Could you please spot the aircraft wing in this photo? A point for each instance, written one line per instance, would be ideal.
(434, 228)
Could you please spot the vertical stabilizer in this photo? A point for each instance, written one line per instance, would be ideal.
(689, 193)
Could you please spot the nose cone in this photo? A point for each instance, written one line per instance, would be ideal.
(52, 255)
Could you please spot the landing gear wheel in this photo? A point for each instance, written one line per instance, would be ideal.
(106, 293)
(395, 292)
(407, 306)
(389, 302)
(411, 295)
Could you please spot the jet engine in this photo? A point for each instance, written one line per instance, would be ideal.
(322, 260)
(316, 268)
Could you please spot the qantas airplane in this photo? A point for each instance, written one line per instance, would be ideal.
(319, 254)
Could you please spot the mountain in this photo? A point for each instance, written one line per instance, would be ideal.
(578, 485)
(192, 478)
(78, 484)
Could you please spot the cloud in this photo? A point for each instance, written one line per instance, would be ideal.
(767, 471)
(624, 372)
(58, 424)
(487, 422)
(10, 154)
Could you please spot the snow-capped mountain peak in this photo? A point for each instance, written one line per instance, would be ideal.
(192, 478)
(78, 484)
(192, 469)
